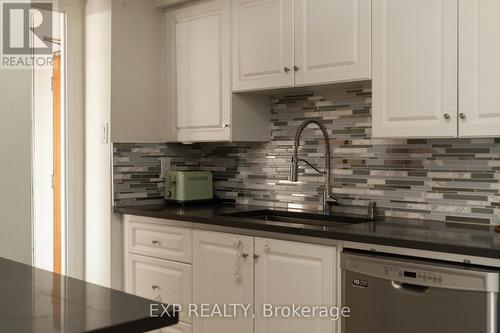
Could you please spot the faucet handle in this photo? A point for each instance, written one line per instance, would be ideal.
(332, 201)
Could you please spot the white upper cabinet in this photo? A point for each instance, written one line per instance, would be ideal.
(286, 43)
(197, 74)
(262, 44)
(415, 68)
(332, 41)
(479, 68)
(200, 105)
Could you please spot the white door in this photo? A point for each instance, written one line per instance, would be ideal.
(414, 68)
(160, 280)
(262, 44)
(479, 68)
(289, 273)
(332, 41)
(223, 274)
(198, 70)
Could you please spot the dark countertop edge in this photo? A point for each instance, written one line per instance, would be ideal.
(333, 235)
(141, 325)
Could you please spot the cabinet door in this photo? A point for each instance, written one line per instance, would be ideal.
(414, 68)
(332, 41)
(198, 71)
(217, 257)
(479, 68)
(289, 273)
(160, 280)
(262, 44)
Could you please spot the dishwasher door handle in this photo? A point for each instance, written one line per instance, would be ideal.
(409, 288)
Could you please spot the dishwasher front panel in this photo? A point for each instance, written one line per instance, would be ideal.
(387, 295)
(380, 307)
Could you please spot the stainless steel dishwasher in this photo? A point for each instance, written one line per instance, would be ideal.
(397, 295)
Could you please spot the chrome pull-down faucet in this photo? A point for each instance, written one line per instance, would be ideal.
(328, 199)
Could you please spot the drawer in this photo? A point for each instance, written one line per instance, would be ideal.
(160, 280)
(160, 241)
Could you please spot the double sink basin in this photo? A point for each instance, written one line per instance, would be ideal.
(300, 218)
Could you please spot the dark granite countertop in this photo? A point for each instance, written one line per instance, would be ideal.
(35, 300)
(407, 233)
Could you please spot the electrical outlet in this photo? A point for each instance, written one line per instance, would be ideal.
(164, 166)
(104, 133)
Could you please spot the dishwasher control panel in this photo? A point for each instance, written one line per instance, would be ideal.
(408, 274)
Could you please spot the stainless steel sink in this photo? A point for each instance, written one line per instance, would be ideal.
(299, 218)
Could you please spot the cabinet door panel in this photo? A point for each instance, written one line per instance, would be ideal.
(289, 273)
(198, 71)
(262, 44)
(414, 68)
(160, 280)
(215, 263)
(332, 41)
(479, 68)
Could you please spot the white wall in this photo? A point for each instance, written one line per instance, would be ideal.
(15, 169)
(75, 140)
(135, 71)
(97, 153)
(123, 75)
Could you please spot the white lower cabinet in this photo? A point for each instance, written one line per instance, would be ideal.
(276, 273)
(230, 269)
(223, 274)
(147, 272)
(288, 273)
(160, 280)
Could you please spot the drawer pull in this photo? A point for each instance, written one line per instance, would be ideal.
(155, 242)
(156, 293)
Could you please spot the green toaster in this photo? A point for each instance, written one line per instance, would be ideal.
(188, 186)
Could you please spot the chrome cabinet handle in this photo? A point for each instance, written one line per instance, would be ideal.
(462, 115)
(296, 68)
(256, 256)
(244, 255)
(446, 116)
(156, 293)
(225, 125)
(286, 69)
(155, 242)
(238, 245)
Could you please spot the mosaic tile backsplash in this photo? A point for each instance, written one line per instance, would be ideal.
(454, 180)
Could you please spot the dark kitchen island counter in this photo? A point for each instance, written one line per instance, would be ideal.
(38, 301)
(463, 239)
